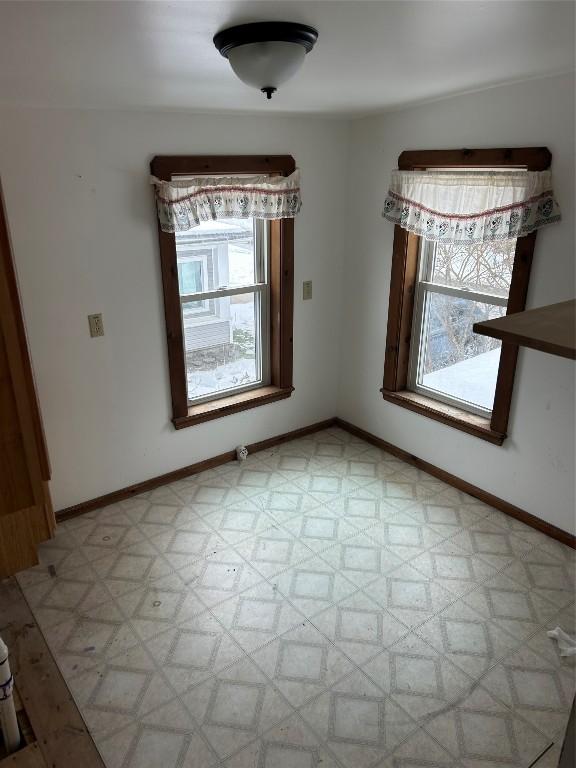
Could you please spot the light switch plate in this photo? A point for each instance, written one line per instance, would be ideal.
(95, 324)
(307, 289)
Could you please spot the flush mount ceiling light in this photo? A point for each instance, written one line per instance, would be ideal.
(267, 53)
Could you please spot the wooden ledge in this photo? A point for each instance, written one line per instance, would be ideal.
(215, 409)
(446, 414)
(549, 329)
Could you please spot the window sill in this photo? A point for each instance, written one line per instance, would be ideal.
(216, 409)
(446, 414)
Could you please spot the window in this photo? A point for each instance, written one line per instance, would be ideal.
(224, 295)
(458, 285)
(228, 298)
(435, 365)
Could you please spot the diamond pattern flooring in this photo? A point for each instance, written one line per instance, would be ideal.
(322, 605)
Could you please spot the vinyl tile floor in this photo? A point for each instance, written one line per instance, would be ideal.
(321, 605)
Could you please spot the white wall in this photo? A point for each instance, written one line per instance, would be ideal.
(534, 469)
(83, 227)
(82, 220)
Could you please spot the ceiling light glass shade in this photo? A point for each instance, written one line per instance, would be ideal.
(266, 53)
(266, 65)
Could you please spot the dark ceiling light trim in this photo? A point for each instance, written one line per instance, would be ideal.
(260, 63)
(264, 32)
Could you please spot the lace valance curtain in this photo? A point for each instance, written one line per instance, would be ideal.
(469, 206)
(183, 204)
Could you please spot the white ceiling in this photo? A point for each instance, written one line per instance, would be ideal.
(369, 56)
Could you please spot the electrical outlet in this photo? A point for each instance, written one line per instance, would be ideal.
(95, 324)
(307, 289)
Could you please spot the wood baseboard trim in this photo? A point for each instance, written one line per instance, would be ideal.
(193, 469)
(178, 474)
(462, 485)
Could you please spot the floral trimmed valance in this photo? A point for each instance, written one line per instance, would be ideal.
(184, 203)
(470, 206)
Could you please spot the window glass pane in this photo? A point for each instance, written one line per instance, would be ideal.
(225, 249)
(484, 267)
(454, 361)
(190, 276)
(190, 279)
(222, 344)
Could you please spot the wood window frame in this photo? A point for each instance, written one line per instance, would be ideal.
(281, 251)
(402, 292)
